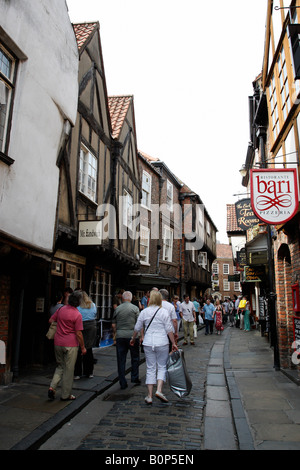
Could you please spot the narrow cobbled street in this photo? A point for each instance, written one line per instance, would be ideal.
(130, 424)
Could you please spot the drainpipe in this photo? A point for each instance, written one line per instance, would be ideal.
(180, 246)
(161, 182)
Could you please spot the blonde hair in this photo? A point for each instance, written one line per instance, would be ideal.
(155, 298)
(86, 301)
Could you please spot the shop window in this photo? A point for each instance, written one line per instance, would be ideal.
(101, 293)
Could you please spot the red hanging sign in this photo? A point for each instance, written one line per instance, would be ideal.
(274, 194)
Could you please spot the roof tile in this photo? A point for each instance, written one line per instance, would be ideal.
(118, 107)
(232, 225)
(83, 31)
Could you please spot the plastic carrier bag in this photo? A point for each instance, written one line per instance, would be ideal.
(179, 380)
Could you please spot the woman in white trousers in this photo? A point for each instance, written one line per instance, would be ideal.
(155, 322)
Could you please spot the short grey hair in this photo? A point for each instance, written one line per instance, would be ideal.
(164, 294)
(127, 296)
(75, 298)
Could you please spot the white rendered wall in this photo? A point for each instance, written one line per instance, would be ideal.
(46, 96)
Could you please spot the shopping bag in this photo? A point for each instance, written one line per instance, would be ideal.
(195, 330)
(200, 320)
(178, 377)
(52, 330)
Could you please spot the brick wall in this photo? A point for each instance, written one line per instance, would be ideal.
(287, 272)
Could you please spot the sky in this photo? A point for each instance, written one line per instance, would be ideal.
(190, 67)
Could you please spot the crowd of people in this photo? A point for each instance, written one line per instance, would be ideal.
(151, 324)
(235, 312)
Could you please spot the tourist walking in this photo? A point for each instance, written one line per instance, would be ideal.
(247, 316)
(171, 309)
(208, 310)
(188, 314)
(241, 311)
(218, 317)
(85, 364)
(67, 338)
(176, 304)
(156, 324)
(124, 319)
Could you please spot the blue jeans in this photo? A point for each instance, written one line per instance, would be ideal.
(123, 346)
(209, 326)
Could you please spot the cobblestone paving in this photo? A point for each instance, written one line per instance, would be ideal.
(178, 425)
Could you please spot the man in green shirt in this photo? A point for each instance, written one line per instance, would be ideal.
(124, 320)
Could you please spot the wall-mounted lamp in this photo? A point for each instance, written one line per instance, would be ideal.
(243, 171)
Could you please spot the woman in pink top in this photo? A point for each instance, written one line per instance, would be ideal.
(67, 338)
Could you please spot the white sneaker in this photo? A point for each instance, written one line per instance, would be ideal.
(148, 400)
(76, 377)
(161, 397)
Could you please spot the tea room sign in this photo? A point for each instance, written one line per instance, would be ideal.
(274, 194)
(244, 214)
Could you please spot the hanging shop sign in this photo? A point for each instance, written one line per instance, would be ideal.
(245, 216)
(254, 273)
(90, 232)
(274, 194)
(241, 259)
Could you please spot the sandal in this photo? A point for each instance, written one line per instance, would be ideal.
(71, 397)
(51, 394)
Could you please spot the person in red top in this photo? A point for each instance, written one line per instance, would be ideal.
(67, 338)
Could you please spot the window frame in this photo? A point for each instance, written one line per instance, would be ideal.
(101, 293)
(128, 209)
(146, 203)
(284, 84)
(84, 150)
(273, 108)
(215, 265)
(168, 231)
(202, 259)
(170, 195)
(75, 282)
(9, 84)
(144, 259)
(226, 285)
(226, 271)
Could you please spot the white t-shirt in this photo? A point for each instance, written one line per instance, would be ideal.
(157, 333)
(171, 310)
(187, 310)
